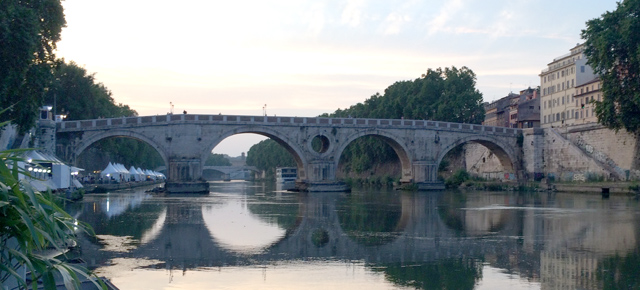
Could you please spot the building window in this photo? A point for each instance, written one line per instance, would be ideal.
(545, 119)
(582, 68)
(572, 83)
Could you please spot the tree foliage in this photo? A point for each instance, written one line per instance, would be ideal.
(76, 93)
(31, 223)
(612, 47)
(29, 30)
(267, 155)
(442, 94)
(217, 160)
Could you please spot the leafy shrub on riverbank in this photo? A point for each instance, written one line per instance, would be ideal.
(373, 181)
(30, 223)
(457, 179)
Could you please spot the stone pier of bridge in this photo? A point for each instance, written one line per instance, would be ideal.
(185, 142)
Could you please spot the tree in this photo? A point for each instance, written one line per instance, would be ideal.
(612, 47)
(29, 31)
(217, 160)
(76, 93)
(447, 94)
(267, 155)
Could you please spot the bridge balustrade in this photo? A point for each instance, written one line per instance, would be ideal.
(144, 120)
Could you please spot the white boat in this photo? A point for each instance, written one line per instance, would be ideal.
(286, 174)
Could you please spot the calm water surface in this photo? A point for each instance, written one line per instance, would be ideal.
(247, 235)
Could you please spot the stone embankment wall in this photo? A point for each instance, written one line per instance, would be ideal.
(617, 151)
(480, 161)
(565, 161)
(572, 153)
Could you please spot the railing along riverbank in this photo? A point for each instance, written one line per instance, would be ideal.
(103, 187)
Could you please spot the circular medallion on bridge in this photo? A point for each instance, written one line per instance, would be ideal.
(320, 144)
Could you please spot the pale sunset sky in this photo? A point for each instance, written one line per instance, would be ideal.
(305, 58)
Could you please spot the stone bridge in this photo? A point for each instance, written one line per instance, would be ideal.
(185, 141)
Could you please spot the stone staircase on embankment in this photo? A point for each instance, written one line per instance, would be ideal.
(599, 157)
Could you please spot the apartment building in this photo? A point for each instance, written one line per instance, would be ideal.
(558, 84)
(585, 97)
(515, 110)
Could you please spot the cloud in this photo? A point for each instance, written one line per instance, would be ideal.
(447, 12)
(316, 19)
(394, 22)
(352, 13)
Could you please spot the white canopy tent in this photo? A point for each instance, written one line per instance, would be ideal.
(110, 171)
(135, 174)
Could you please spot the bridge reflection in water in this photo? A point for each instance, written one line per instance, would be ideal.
(413, 239)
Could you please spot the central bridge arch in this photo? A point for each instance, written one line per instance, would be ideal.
(281, 138)
(390, 139)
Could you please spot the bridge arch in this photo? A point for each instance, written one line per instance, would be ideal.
(392, 140)
(505, 155)
(279, 137)
(90, 139)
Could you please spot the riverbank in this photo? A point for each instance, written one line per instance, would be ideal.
(618, 187)
(104, 187)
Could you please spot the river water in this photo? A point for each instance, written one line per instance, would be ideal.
(246, 235)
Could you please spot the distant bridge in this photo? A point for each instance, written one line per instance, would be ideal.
(185, 141)
(223, 169)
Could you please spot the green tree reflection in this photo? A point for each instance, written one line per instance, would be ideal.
(284, 214)
(462, 273)
(449, 210)
(370, 219)
(620, 272)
